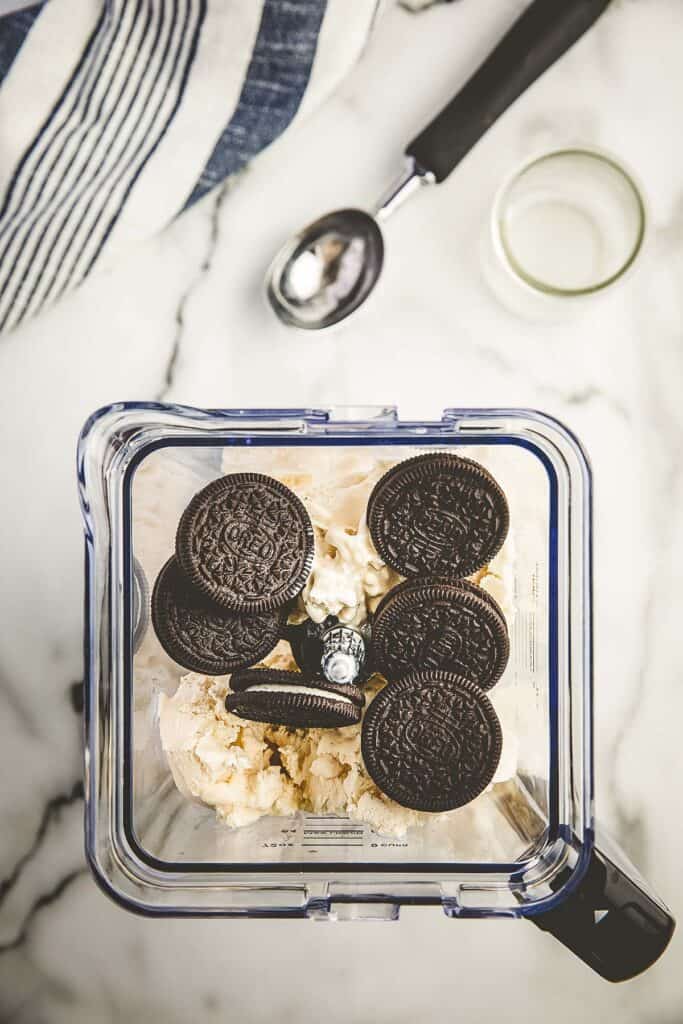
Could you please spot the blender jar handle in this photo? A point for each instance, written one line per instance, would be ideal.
(610, 920)
(537, 39)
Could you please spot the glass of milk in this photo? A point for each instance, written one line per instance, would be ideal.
(563, 229)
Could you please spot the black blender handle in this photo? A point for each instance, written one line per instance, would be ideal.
(610, 920)
(546, 29)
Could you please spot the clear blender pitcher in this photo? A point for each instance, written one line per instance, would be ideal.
(526, 847)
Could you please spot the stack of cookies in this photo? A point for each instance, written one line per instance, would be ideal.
(244, 550)
(431, 738)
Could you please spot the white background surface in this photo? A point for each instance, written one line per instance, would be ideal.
(183, 318)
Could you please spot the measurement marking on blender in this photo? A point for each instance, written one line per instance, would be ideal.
(328, 830)
(331, 833)
(312, 837)
(331, 846)
(327, 817)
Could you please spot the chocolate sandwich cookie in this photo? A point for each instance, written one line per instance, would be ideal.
(437, 515)
(295, 699)
(202, 636)
(246, 541)
(440, 624)
(476, 588)
(419, 581)
(431, 741)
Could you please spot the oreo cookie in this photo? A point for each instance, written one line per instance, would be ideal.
(468, 585)
(437, 515)
(431, 741)
(440, 624)
(246, 541)
(203, 637)
(294, 699)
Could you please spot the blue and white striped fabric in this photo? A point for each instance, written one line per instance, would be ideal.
(115, 115)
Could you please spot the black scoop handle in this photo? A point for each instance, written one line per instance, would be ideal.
(545, 31)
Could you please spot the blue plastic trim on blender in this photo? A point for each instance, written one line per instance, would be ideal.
(409, 439)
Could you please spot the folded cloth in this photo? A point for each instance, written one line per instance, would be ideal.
(115, 115)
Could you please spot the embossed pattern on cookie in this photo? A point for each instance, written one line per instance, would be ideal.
(247, 542)
(440, 625)
(437, 515)
(414, 582)
(431, 741)
(203, 637)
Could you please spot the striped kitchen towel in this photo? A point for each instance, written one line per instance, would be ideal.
(115, 115)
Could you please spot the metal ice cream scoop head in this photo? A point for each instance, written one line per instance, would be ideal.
(324, 273)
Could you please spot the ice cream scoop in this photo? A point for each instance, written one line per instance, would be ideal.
(325, 272)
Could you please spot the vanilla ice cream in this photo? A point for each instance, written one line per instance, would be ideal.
(246, 770)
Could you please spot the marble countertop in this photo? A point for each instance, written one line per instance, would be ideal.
(184, 319)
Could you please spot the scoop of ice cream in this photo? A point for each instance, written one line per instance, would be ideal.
(348, 576)
(219, 759)
(246, 770)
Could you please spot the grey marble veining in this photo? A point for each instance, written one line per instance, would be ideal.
(184, 319)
